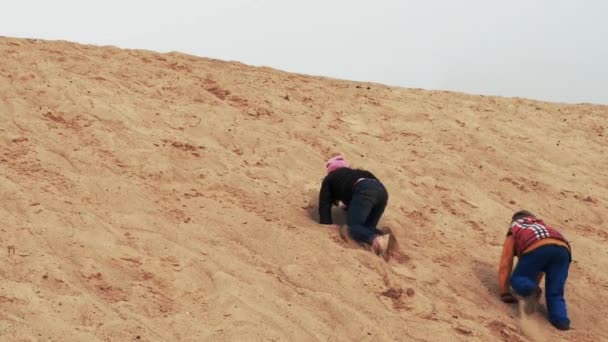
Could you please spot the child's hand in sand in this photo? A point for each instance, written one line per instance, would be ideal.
(508, 298)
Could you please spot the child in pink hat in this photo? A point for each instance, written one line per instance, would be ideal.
(365, 198)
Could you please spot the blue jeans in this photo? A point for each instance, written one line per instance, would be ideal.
(365, 209)
(554, 261)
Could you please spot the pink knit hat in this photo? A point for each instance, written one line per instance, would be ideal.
(335, 163)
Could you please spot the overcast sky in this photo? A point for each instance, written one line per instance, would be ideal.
(554, 50)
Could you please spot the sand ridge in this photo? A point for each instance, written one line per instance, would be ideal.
(167, 197)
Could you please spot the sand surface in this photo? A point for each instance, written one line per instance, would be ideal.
(167, 197)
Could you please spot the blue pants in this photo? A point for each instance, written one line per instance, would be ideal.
(554, 261)
(365, 209)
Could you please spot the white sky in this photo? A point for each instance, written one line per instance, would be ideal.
(554, 50)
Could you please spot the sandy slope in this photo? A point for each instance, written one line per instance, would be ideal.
(164, 197)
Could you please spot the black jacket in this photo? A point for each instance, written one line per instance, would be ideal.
(338, 186)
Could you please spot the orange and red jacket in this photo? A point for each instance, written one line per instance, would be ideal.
(526, 231)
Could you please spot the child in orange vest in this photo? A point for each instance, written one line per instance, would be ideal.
(540, 249)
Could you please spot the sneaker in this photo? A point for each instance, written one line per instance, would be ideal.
(380, 245)
(562, 326)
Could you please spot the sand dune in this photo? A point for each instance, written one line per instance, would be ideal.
(166, 197)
